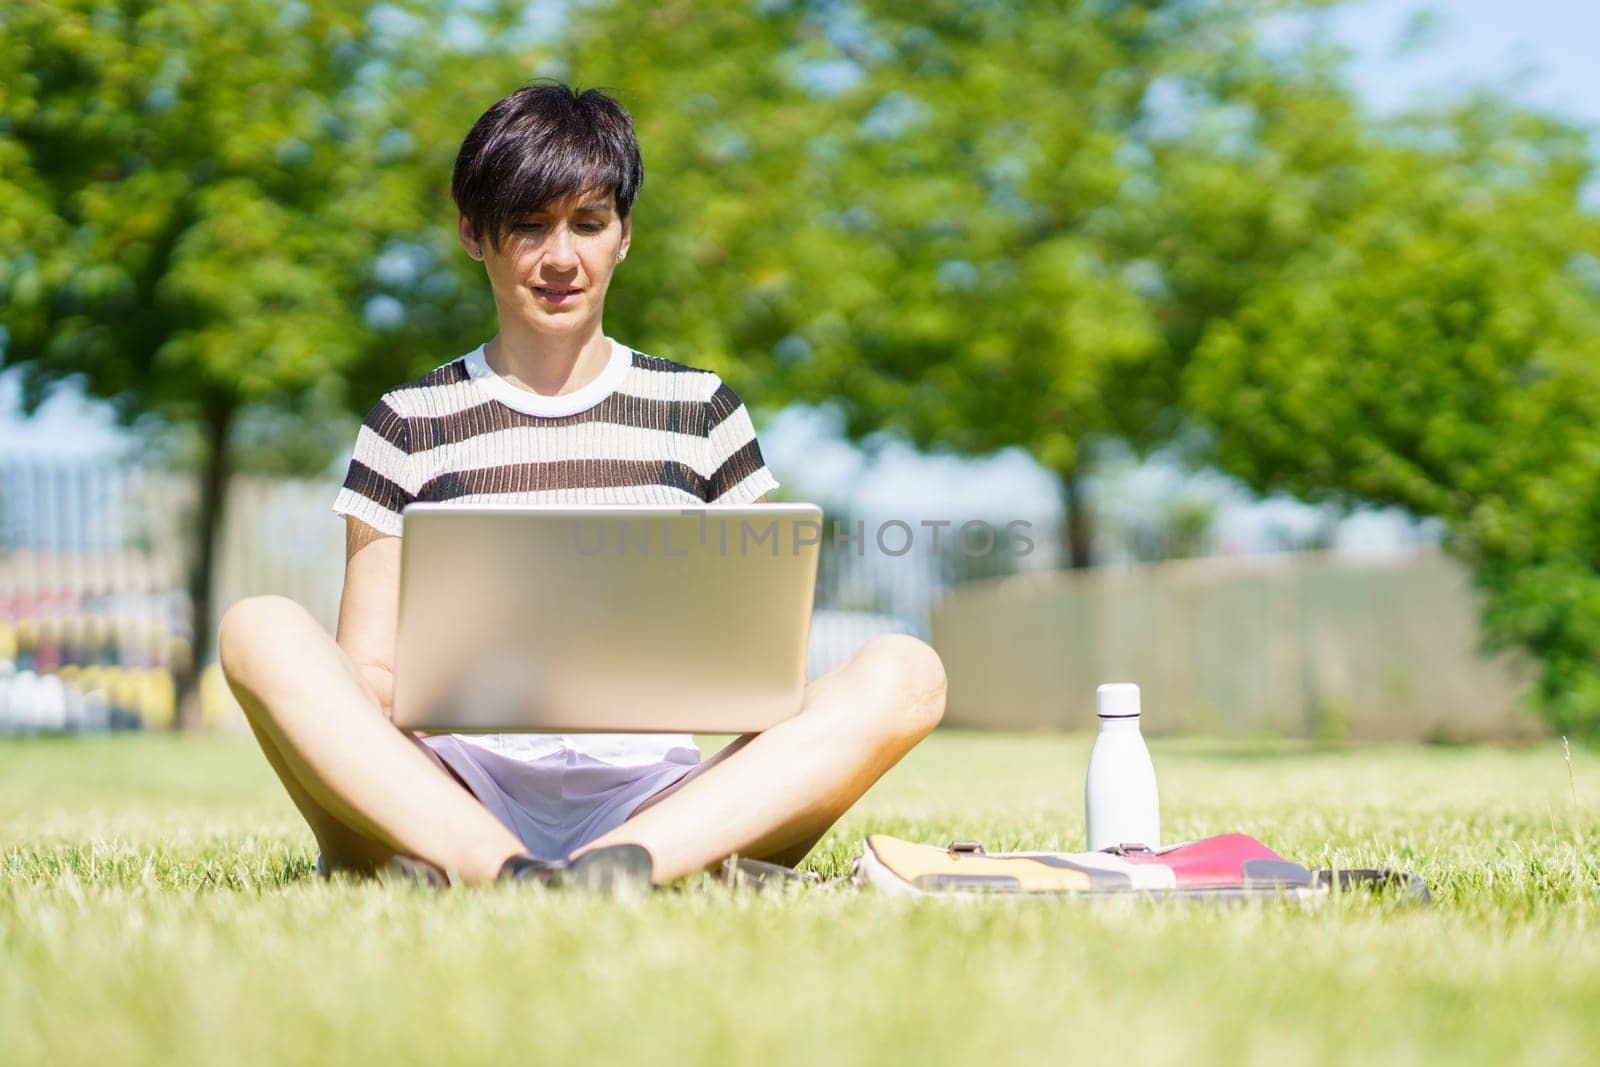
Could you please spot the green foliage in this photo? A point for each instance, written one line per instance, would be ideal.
(1436, 345)
(971, 225)
(194, 206)
(209, 207)
(292, 439)
(180, 171)
(240, 205)
(918, 228)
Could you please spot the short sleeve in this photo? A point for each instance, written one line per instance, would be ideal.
(379, 484)
(739, 474)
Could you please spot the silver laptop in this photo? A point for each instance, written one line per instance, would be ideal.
(604, 617)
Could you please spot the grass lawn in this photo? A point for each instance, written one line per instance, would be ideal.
(157, 907)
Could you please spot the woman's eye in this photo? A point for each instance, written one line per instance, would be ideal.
(582, 227)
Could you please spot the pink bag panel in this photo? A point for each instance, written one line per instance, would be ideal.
(1226, 860)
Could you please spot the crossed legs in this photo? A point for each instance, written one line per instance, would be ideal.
(371, 791)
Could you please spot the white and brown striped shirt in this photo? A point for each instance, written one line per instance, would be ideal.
(645, 431)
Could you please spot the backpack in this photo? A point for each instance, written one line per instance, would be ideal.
(1229, 867)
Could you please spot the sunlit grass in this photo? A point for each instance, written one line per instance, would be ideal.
(157, 906)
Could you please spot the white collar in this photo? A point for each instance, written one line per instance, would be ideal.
(532, 403)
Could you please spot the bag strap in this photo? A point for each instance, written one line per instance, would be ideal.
(1411, 888)
(975, 848)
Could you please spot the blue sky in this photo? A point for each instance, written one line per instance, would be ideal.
(1548, 51)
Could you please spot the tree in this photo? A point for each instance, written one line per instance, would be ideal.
(1023, 224)
(977, 225)
(1438, 347)
(937, 216)
(201, 194)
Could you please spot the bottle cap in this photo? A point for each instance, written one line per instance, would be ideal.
(1117, 700)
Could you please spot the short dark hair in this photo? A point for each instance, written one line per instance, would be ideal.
(544, 142)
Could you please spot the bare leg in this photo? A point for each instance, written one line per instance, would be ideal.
(777, 793)
(342, 848)
(368, 789)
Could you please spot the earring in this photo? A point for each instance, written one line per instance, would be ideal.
(477, 253)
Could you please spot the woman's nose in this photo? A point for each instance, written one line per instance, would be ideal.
(561, 251)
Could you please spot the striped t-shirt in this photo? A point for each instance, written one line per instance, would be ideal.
(645, 431)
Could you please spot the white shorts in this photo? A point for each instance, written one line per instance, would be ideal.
(560, 801)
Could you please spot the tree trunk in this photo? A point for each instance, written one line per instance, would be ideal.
(1079, 524)
(218, 417)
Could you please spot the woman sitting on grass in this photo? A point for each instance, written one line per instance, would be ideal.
(549, 410)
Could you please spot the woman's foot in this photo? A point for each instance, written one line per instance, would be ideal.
(615, 870)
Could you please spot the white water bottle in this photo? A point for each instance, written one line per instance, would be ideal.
(1119, 796)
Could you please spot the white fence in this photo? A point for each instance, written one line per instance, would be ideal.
(92, 563)
(1294, 645)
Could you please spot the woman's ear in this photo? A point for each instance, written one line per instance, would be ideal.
(468, 237)
(627, 238)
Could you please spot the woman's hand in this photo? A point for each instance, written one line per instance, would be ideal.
(380, 683)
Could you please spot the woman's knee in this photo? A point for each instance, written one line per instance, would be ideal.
(253, 635)
(909, 680)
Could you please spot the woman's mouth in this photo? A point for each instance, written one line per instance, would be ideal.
(556, 296)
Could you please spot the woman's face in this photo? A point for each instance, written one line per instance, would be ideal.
(555, 264)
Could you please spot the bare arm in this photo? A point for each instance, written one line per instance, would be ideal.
(369, 607)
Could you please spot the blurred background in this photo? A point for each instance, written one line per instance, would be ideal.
(1276, 320)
